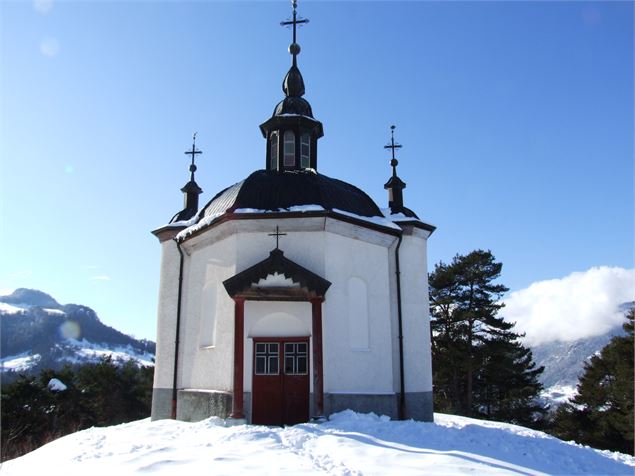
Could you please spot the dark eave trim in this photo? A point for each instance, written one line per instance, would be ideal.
(167, 232)
(276, 122)
(417, 224)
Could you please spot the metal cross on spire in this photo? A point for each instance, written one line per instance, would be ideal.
(193, 153)
(394, 162)
(294, 48)
(277, 234)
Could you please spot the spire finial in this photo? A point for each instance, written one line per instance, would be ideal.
(193, 153)
(394, 162)
(294, 48)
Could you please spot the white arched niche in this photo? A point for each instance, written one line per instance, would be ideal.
(358, 328)
(207, 326)
(279, 324)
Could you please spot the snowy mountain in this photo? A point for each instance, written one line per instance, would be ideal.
(37, 332)
(348, 444)
(564, 361)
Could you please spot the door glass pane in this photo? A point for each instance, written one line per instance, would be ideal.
(273, 365)
(301, 365)
(288, 365)
(267, 359)
(295, 358)
(260, 365)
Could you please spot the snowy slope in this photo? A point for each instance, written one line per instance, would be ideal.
(348, 444)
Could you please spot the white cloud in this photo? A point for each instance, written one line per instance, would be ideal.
(49, 47)
(100, 278)
(43, 6)
(583, 304)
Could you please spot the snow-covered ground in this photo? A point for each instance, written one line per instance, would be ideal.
(20, 362)
(86, 351)
(556, 395)
(348, 444)
(78, 352)
(11, 309)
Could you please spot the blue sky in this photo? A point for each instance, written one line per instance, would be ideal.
(516, 120)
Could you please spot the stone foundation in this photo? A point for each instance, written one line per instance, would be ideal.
(196, 405)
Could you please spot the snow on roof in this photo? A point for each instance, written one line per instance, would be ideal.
(207, 220)
(182, 223)
(203, 223)
(397, 217)
(350, 443)
(376, 220)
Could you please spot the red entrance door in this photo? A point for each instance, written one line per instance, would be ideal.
(280, 390)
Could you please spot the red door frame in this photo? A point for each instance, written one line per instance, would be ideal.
(316, 365)
(283, 386)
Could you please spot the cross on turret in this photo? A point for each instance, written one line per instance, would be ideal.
(193, 153)
(294, 48)
(394, 162)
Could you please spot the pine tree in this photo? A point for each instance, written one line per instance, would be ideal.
(96, 394)
(601, 414)
(508, 381)
(479, 367)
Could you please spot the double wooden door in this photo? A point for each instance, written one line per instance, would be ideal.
(280, 385)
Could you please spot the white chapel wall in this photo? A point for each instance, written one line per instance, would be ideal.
(166, 319)
(348, 370)
(207, 321)
(208, 307)
(349, 366)
(415, 309)
(357, 316)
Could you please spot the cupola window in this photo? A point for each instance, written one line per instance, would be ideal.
(305, 151)
(273, 138)
(289, 149)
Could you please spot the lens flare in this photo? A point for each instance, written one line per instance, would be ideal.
(70, 330)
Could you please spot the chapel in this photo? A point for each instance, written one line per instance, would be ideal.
(292, 295)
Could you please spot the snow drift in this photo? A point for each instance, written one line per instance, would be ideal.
(348, 444)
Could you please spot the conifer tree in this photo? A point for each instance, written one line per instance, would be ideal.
(96, 394)
(601, 414)
(479, 367)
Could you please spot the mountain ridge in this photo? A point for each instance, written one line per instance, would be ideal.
(37, 332)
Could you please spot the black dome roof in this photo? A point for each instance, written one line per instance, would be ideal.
(272, 191)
